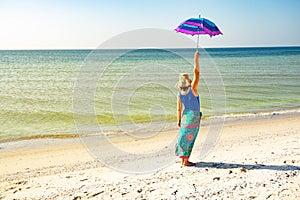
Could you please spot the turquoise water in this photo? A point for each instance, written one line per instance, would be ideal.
(37, 86)
(260, 79)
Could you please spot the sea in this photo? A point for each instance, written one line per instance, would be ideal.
(42, 91)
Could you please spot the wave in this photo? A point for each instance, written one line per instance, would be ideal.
(39, 136)
(287, 112)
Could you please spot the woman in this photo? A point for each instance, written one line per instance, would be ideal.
(189, 119)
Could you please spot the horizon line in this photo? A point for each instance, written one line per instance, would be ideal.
(210, 47)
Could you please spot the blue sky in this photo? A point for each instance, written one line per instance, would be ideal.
(54, 24)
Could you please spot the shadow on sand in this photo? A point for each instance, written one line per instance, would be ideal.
(220, 165)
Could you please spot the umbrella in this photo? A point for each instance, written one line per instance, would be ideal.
(198, 26)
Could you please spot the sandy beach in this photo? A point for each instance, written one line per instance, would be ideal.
(253, 159)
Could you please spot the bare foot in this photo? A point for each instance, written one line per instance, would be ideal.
(188, 164)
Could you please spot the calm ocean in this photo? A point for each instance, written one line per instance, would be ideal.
(37, 86)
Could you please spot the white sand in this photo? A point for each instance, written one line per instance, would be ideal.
(252, 160)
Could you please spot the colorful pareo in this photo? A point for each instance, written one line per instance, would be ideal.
(190, 124)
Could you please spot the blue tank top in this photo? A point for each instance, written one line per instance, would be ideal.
(190, 101)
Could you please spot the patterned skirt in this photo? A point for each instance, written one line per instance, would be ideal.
(190, 124)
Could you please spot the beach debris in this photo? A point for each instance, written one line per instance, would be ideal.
(124, 193)
(151, 190)
(234, 187)
(22, 182)
(174, 193)
(252, 197)
(268, 196)
(140, 190)
(96, 194)
(243, 185)
(243, 170)
(216, 178)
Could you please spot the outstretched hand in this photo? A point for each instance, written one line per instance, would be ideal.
(197, 55)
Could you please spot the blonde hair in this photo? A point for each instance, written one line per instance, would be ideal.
(184, 80)
(186, 77)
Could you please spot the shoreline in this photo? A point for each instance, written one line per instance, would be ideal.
(252, 159)
(60, 141)
(227, 118)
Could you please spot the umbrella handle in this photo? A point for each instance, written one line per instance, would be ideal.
(197, 43)
(198, 38)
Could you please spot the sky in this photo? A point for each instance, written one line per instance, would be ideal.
(74, 24)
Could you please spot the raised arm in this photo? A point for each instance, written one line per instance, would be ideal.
(196, 79)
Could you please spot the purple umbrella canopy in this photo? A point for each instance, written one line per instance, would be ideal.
(198, 26)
